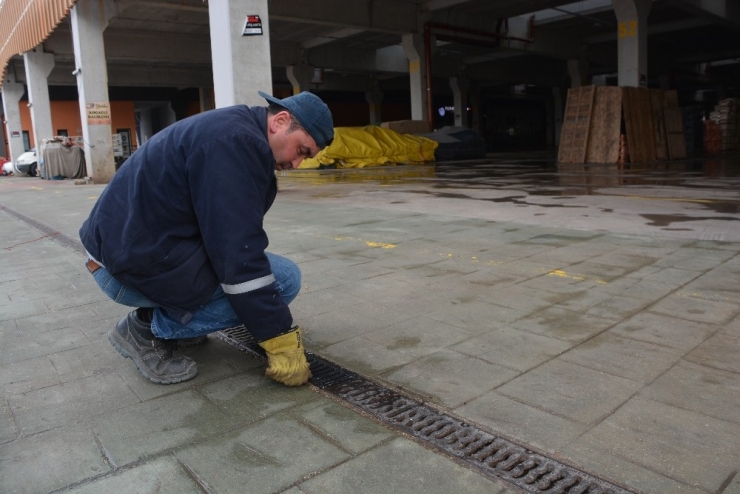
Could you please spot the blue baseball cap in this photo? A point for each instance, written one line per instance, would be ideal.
(311, 113)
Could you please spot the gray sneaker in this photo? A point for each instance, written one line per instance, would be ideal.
(154, 357)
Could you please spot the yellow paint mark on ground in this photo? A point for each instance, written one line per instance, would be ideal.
(562, 274)
(37, 188)
(494, 263)
(381, 245)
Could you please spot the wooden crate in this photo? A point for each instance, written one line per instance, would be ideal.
(604, 131)
(657, 103)
(638, 120)
(576, 122)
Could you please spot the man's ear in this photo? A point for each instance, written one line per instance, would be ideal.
(279, 120)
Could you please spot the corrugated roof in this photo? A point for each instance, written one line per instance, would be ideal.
(25, 24)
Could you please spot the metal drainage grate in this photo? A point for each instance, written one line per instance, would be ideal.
(494, 456)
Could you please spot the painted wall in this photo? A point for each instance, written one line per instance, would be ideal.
(65, 115)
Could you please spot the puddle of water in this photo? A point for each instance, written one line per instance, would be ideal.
(538, 175)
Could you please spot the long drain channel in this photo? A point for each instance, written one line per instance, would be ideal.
(494, 456)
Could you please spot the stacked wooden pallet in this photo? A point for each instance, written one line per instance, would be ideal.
(595, 116)
(726, 115)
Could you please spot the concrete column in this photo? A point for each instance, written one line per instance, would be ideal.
(578, 71)
(3, 151)
(12, 92)
(88, 23)
(240, 51)
(145, 125)
(38, 67)
(632, 41)
(167, 115)
(460, 87)
(300, 77)
(374, 98)
(413, 46)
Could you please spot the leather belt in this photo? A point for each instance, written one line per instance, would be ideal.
(92, 266)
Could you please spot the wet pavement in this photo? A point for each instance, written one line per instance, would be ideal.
(587, 313)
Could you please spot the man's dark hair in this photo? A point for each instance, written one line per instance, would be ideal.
(294, 123)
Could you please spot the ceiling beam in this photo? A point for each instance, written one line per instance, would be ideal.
(390, 16)
(725, 12)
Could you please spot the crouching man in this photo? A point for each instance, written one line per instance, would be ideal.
(178, 234)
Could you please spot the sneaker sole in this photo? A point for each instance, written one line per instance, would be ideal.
(120, 347)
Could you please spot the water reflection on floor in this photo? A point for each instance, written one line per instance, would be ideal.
(540, 174)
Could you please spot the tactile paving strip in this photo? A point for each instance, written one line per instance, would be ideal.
(494, 456)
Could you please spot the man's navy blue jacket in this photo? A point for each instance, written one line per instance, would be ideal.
(184, 214)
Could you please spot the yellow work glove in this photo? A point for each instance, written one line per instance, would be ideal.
(286, 361)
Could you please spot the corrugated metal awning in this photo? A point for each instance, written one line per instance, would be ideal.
(25, 24)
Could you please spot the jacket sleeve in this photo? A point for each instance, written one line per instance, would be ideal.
(230, 180)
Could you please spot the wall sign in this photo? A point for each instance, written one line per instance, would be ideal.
(252, 26)
(98, 113)
(15, 133)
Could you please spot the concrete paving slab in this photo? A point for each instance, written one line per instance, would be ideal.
(720, 351)
(162, 475)
(27, 375)
(698, 388)
(660, 436)
(8, 429)
(474, 316)
(268, 456)
(340, 426)
(669, 275)
(364, 356)
(684, 261)
(697, 309)
(412, 468)
(571, 391)
(23, 345)
(512, 348)
(636, 360)
(70, 402)
(664, 330)
(450, 378)
(618, 308)
(417, 337)
(594, 455)
(522, 423)
(563, 324)
(158, 425)
(51, 460)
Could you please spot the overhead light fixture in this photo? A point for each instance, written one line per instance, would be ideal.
(77, 71)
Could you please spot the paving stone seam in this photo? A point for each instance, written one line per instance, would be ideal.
(324, 436)
(197, 479)
(352, 456)
(104, 453)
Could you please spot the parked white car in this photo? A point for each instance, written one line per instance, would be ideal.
(27, 163)
(8, 168)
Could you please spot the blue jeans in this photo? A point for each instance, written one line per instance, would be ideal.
(217, 314)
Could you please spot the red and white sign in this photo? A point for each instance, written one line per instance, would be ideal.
(252, 26)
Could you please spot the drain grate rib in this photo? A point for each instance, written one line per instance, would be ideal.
(494, 456)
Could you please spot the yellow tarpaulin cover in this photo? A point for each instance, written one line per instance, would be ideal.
(357, 147)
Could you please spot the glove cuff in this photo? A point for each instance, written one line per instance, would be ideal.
(292, 340)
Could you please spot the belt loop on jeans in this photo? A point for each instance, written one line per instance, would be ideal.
(92, 266)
